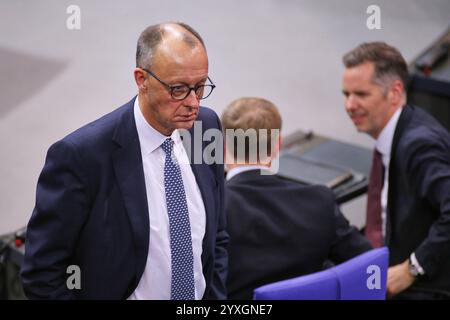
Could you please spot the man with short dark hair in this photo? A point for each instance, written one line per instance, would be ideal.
(278, 229)
(119, 198)
(408, 206)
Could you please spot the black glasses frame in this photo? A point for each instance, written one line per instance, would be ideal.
(194, 88)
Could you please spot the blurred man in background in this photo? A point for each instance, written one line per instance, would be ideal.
(408, 206)
(278, 229)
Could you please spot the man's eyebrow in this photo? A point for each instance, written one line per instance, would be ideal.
(203, 80)
(187, 84)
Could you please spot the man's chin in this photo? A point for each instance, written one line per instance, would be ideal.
(185, 124)
(359, 127)
(362, 129)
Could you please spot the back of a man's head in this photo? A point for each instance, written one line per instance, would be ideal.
(245, 116)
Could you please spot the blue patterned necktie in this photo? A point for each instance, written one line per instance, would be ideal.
(182, 287)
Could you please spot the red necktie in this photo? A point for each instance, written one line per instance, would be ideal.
(373, 218)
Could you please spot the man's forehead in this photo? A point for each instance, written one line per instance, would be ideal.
(361, 73)
(363, 69)
(178, 54)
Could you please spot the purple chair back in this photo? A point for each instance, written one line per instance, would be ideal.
(365, 276)
(361, 278)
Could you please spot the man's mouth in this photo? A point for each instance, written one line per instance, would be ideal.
(357, 118)
(188, 117)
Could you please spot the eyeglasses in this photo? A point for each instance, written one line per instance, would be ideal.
(182, 91)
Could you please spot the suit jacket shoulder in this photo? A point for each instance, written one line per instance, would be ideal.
(280, 229)
(418, 129)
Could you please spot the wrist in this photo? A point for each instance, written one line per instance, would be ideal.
(414, 268)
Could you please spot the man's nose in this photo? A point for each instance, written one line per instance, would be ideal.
(192, 100)
(350, 103)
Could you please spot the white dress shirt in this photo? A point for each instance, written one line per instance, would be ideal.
(155, 282)
(236, 170)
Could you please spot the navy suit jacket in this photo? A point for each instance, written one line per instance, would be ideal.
(281, 229)
(418, 213)
(92, 211)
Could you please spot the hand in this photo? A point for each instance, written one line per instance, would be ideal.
(399, 278)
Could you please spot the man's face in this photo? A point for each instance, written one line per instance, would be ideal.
(367, 103)
(175, 64)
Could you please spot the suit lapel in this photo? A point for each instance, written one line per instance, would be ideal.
(127, 163)
(205, 190)
(203, 178)
(403, 121)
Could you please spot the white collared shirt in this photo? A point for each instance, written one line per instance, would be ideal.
(237, 170)
(155, 283)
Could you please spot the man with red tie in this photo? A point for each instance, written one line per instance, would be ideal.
(408, 206)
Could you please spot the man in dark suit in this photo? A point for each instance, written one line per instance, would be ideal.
(278, 229)
(409, 189)
(119, 198)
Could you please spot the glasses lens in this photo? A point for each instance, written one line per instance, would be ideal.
(180, 92)
(204, 91)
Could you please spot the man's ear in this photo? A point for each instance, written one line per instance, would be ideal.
(396, 92)
(228, 159)
(226, 156)
(140, 78)
(225, 149)
(277, 146)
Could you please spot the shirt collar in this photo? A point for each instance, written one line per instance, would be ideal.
(384, 141)
(150, 138)
(237, 170)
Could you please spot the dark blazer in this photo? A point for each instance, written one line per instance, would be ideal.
(418, 213)
(280, 230)
(92, 211)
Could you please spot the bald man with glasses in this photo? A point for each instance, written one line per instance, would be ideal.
(119, 198)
